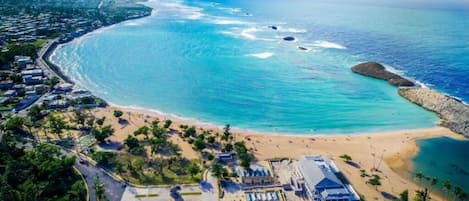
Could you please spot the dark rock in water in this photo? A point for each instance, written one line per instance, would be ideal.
(378, 71)
(289, 38)
(273, 27)
(302, 48)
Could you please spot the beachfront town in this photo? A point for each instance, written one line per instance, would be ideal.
(38, 96)
(98, 152)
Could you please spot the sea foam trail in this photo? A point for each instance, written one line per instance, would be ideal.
(327, 44)
(263, 55)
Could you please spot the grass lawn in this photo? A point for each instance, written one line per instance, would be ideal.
(191, 193)
(147, 195)
(149, 176)
(39, 42)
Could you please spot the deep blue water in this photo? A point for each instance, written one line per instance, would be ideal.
(445, 159)
(219, 62)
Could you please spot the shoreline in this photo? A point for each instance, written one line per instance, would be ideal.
(262, 143)
(398, 144)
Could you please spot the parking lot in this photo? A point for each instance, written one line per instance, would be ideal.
(284, 169)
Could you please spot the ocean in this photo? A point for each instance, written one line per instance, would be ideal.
(225, 62)
(445, 159)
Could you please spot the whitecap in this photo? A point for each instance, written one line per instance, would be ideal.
(228, 22)
(327, 44)
(292, 30)
(248, 33)
(262, 55)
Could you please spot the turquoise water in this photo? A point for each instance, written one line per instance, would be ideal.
(445, 159)
(219, 62)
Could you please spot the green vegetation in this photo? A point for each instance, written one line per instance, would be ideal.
(37, 173)
(147, 195)
(450, 192)
(118, 113)
(13, 50)
(346, 157)
(191, 193)
(375, 180)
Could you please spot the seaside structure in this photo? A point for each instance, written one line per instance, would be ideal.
(317, 178)
(256, 176)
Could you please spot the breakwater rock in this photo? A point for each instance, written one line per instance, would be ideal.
(453, 113)
(376, 70)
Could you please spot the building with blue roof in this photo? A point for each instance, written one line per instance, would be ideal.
(317, 178)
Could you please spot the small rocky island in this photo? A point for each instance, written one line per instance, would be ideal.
(453, 113)
(376, 70)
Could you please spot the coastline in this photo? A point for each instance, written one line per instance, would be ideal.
(398, 145)
(266, 145)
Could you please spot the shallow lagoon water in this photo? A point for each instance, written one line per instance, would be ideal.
(220, 62)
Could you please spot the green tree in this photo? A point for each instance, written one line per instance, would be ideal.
(35, 113)
(447, 187)
(102, 133)
(228, 147)
(375, 181)
(346, 157)
(193, 169)
(118, 113)
(167, 124)
(56, 124)
(79, 117)
(217, 170)
(211, 139)
(99, 188)
(199, 144)
(100, 121)
(404, 196)
(15, 125)
(226, 132)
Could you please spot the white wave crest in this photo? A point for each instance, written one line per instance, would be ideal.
(327, 44)
(228, 22)
(262, 55)
(188, 12)
(248, 33)
(292, 30)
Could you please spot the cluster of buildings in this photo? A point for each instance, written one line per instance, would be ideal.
(24, 83)
(310, 178)
(24, 27)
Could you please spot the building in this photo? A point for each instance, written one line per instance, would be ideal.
(32, 72)
(262, 196)
(318, 179)
(225, 157)
(9, 94)
(22, 61)
(255, 176)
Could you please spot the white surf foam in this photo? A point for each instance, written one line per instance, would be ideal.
(292, 30)
(248, 33)
(262, 55)
(327, 44)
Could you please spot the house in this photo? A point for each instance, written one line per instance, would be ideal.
(22, 61)
(317, 178)
(226, 157)
(32, 80)
(255, 176)
(9, 94)
(6, 84)
(33, 72)
(63, 88)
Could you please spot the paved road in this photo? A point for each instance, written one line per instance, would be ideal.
(113, 189)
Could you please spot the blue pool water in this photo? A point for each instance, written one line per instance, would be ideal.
(220, 62)
(445, 159)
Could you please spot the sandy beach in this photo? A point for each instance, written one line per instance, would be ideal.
(389, 151)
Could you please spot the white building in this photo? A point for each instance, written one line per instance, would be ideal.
(317, 178)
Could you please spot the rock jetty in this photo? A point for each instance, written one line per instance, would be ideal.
(376, 70)
(453, 113)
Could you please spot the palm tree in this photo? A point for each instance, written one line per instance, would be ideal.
(99, 188)
(447, 188)
(457, 192)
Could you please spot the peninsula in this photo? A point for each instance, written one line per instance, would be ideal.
(453, 113)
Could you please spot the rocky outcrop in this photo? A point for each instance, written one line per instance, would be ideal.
(376, 70)
(289, 38)
(454, 113)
